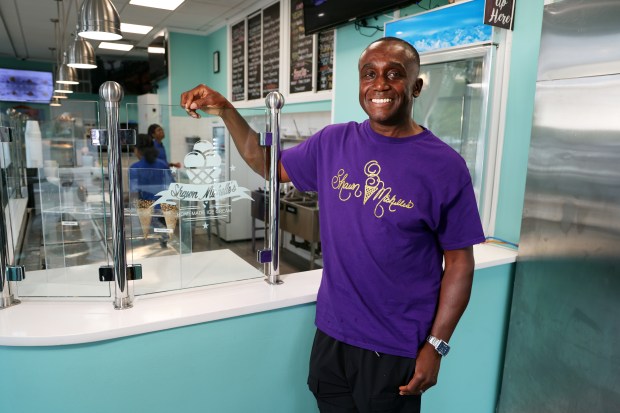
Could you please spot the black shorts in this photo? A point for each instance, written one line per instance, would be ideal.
(345, 378)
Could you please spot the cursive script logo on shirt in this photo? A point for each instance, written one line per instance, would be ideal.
(375, 192)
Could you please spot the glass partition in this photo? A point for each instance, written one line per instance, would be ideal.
(191, 224)
(188, 226)
(67, 236)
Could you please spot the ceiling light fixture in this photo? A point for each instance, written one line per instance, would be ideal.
(66, 75)
(116, 46)
(158, 4)
(62, 88)
(99, 20)
(156, 50)
(135, 28)
(81, 54)
(55, 102)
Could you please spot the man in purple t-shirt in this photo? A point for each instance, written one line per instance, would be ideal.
(395, 201)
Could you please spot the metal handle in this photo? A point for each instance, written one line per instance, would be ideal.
(275, 102)
(112, 94)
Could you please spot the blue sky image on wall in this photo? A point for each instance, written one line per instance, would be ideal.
(451, 26)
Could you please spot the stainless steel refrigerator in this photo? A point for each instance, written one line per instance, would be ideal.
(563, 348)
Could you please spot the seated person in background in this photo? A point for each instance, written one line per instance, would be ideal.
(157, 134)
(147, 177)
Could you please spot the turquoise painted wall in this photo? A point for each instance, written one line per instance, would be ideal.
(255, 363)
(519, 112)
(189, 65)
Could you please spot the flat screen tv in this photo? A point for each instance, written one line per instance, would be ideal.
(321, 15)
(26, 86)
(158, 62)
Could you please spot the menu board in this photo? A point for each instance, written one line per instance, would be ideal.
(238, 61)
(271, 48)
(325, 61)
(254, 57)
(301, 51)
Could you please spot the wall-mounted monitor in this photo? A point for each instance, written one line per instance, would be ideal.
(320, 15)
(26, 86)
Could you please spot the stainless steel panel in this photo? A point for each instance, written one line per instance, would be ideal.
(580, 38)
(572, 199)
(562, 350)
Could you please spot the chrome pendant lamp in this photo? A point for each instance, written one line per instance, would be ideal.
(81, 54)
(99, 20)
(66, 75)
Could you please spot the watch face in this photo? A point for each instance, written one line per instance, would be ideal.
(443, 348)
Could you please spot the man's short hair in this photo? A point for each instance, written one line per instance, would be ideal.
(405, 43)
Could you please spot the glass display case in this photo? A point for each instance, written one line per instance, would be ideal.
(454, 103)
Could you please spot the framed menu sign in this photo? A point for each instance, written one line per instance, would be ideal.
(271, 48)
(302, 49)
(254, 56)
(238, 61)
(325, 61)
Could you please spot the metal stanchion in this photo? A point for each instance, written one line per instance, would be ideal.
(112, 94)
(271, 256)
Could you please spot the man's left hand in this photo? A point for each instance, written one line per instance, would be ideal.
(425, 374)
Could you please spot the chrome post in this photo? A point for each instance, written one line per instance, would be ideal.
(275, 102)
(112, 94)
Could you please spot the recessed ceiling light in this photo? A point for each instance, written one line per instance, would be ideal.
(158, 4)
(116, 46)
(156, 50)
(135, 28)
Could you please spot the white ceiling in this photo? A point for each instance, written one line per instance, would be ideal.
(27, 32)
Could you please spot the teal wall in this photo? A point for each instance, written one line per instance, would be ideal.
(189, 64)
(519, 112)
(254, 363)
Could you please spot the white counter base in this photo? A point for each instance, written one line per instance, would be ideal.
(51, 323)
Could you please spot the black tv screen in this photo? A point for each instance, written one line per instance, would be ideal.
(158, 62)
(26, 86)
(320, 15)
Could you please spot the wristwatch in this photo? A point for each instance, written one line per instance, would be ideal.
(441, 346)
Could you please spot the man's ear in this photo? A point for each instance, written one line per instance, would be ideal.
(417, 88)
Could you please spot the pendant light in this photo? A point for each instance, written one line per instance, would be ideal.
(55, 102)
(66, 75)
(81, 54)
(62, 88)
(99, 20)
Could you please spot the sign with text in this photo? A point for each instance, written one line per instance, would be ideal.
(499, 13)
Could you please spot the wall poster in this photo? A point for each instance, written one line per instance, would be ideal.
(238, 61)
(271, 48)
(254, 56)
(325, 61)
(301, 53)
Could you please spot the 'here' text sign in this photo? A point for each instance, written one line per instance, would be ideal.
(499, 13)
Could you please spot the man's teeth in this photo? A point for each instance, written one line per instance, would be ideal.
(381, 100)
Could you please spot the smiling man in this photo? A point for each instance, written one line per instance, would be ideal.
(394, 201)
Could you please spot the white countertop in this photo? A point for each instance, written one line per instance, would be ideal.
(56, 322)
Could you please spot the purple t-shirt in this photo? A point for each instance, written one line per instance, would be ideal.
(388, 208)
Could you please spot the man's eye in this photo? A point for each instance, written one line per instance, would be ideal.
(369, 75)
(393, 75)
